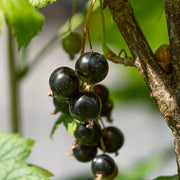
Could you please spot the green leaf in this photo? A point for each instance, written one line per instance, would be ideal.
(19, 170)
(40, 3)
(14, 149)
(70, 124)
(58, 122)
(14, 146)
(175, 177)
(24, 20)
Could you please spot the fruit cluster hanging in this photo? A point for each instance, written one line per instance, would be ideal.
(76, 93)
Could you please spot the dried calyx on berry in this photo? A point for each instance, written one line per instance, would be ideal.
(163, 56)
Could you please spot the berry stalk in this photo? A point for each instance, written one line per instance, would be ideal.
(86, 25)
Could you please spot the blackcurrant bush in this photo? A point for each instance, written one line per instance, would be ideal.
(84, 153)
(72, 44)
(60, 105)
(107, 108)
(103, 165)
(64, 83)
(102, 92)
(85, 106)
(113, 139)
(88, 136)
(91, 67)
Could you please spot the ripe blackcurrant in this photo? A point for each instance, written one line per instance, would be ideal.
(60, 105)
(84, 153)
(85, 106)
(91, 67)
(102, 92)
(88, 136)
(113, 139)
(103, 165)
(107, 108)
(64, 83)
(72, 44)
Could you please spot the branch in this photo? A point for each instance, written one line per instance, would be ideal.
(172, 9)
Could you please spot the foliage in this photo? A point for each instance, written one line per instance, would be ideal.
(14, 149)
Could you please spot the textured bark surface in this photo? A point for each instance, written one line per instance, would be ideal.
(162, 86)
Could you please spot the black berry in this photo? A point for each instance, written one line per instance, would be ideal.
(88, 136)
(102, 92)
(103, 165)
(64, 83)
(84, 153)
(85, 106)
(113, 139)
(107, 108)
(60, 105)
(72, 44)
(91, 67)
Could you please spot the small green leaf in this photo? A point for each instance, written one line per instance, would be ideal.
(175, 177)
(40, 3)
(58, 122)
(14, 146)
(70, 124)
(24, 20)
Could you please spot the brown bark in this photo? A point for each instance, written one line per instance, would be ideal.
(161, 85)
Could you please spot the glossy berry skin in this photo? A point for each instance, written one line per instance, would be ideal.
(84, 153)
(113, 139)
(64, 83)
(88, 136)
(102, 92)
(103, 165)
(91, 67)
(72, 44)
(85, 106)
(60, 105)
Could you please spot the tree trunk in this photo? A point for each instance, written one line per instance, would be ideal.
(163, 87)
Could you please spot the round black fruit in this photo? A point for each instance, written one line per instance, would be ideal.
(88, 136)
(85, 106)
(102, 92)
(103, 165)
(91, 67)
(60, 105)
(113, 139)
(64, 83)
(84, 153)
(107, 108)
(72, 44)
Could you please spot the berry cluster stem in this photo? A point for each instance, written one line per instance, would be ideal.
(86, 25)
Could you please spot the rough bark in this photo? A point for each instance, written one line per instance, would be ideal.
(162, 86)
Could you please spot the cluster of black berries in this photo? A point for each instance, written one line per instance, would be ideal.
(78, 94)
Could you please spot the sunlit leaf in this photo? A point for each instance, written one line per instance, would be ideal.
(14, 146)
(14, 149)
(40, 3)
(24, 20)
(70, 124)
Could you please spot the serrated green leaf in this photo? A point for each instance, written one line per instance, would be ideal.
(41, 3)
(19, 170)
(62, 117)
(14, 146)
(70, 124)
(24, 20)
(175, 177)
(14, 149)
